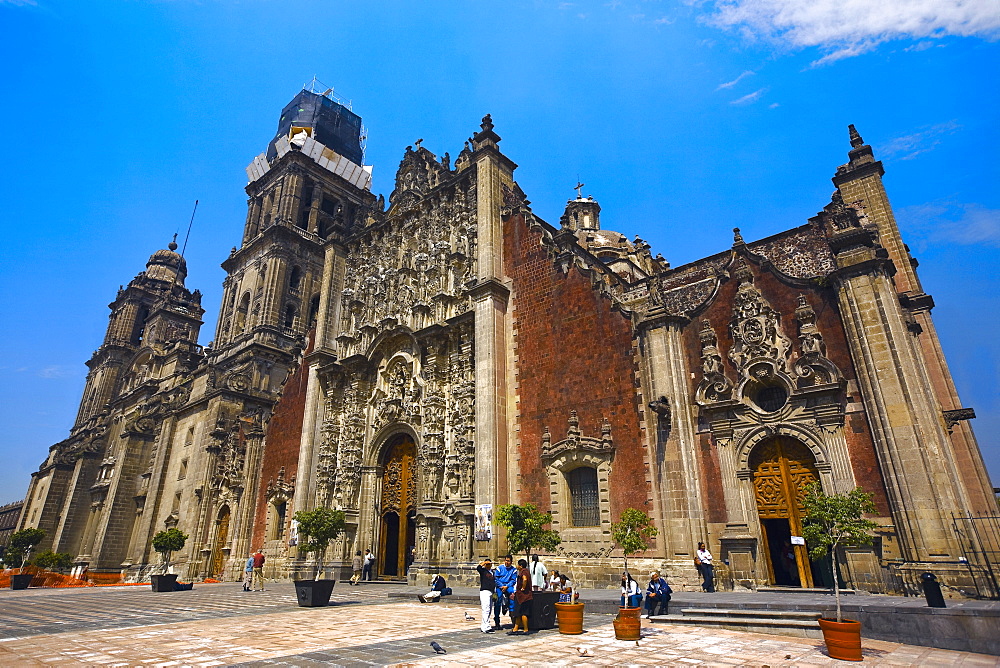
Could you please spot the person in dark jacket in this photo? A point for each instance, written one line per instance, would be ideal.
(439, 588)
(657, 595)
(487, 590)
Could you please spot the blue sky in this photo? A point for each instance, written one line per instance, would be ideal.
(684, 119)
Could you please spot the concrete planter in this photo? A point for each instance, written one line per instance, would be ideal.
(543, 610)
(22, 581)
(313, 593)
(163, 582)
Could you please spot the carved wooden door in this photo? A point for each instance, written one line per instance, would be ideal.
(221, 536)
(782, 468)
(398, 501)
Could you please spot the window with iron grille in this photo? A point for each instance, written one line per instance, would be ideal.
(583, 491)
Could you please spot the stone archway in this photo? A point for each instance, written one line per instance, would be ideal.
(782, 467)
(397, 505)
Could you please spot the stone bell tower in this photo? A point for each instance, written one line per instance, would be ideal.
(155, 308)
(307, 189)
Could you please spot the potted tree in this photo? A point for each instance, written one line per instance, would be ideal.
(525, 525)
(831, 521)
(166, 542)
(19, 548)
(631, 533)
(320, 525)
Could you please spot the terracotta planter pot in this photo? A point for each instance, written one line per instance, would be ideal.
(843, 639)
(570, 616)
(627, 624)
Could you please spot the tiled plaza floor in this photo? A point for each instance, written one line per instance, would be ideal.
(220, 625)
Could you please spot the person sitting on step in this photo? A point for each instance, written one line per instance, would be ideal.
(657, 594)
(439, 588)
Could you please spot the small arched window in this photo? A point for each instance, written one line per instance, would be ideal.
(289, 320)
(241, 313)
(276, 524)
(583, 492)
(313, 309)
(294, 278)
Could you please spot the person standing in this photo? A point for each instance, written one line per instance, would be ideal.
(539, 574)
(369, 563)
(506, 577)
(657, 594)
(357, 563)
(248, 573)
(487, 590)
(523, 598)
(703, 560)
(258, 570)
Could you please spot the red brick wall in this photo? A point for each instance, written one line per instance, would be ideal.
(281, 446)
(783, 299)
(574, 352)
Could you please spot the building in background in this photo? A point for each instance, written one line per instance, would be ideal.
(418, 361)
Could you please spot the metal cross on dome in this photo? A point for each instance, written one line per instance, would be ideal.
(579, 189)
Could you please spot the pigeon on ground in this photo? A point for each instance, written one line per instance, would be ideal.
(437, 648)
(583, 650)
(469, 618)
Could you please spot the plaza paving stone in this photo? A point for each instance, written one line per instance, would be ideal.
(221, 625)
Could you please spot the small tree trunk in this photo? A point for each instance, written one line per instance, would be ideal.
(836, 585)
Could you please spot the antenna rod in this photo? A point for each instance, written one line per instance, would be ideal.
(188, 235)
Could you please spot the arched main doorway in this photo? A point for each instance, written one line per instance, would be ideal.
(782, 468)
(221, 538)
(397, 509)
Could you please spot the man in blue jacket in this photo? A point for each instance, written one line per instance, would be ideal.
(506, 576)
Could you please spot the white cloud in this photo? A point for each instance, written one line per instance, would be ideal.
(773, 105)
(750, 98)
(962, 224)
(730, 84)
(909, 146)
(55, 371)
(845, 28)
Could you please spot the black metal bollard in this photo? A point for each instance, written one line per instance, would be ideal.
(932, 590)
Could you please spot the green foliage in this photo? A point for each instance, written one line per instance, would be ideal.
(834, 520)
(320, 525)
(633, 531)
(53, 560)
(525, 526)
(170, 540)
(20, 544)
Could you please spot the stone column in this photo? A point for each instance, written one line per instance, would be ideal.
(910, 441)
(242, 527)
(490, 297)
(678, 474)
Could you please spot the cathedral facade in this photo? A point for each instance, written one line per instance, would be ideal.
(418, 361)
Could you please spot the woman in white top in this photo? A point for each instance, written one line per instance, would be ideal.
(703, 560)
(631, 594)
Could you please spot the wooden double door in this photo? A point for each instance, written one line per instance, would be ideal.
(782, 468)
(397, 507)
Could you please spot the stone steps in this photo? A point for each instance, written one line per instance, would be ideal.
(795, 623)
(801, 590)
